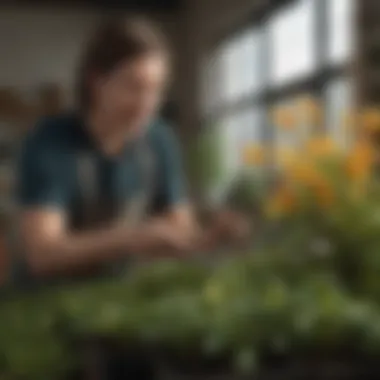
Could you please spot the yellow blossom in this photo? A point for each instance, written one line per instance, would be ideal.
(349, 121)
(281, 203)
(322, 146)
(360, 160)
(305, 173)
(254, 155)
(369, 119)
(302, 171)
(324, 193)
(286, 156)
(285, 117)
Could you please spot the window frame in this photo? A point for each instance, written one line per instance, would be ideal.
(314, 84)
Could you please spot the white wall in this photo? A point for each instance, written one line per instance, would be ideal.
(42, 45)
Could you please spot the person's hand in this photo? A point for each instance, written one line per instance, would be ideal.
(173, 237)
(231, 226)
(161, 236)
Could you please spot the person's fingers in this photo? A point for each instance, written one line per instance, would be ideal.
(243, 227)
(236, 227)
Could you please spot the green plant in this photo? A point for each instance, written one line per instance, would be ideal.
(205, 159)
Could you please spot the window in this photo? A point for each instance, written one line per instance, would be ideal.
(231, 92)
(233, 71)
(340, 25)
(338, 106)
(301, 49)
(287, 137)
(241, 66)
(240, 129)
(292, 48)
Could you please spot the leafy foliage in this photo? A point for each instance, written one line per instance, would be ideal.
(205, 158)
(240, 306)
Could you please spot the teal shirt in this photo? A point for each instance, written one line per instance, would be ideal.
(48, 172)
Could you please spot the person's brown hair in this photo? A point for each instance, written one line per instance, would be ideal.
(114, 42)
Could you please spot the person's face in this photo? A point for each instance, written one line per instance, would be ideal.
(131, 94)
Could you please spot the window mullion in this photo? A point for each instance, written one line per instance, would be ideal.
(267, 130)
(322, 34)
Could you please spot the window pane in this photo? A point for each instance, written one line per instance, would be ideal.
(340, 18)
(238, 131)
(240, 65)
(338, 107)
(292, 33)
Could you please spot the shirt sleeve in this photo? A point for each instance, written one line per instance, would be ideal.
(171, 186)
(40, 178)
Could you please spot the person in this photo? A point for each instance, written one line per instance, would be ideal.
(69, 223)
(105, 182)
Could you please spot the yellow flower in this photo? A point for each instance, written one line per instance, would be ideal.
(285, 117)
(324, 193)
(322, 146)
(302, 171)
(311, 109)
(349, 121)
(369, 119)
(286, 156)
(305, 174)
(254, 155)
(281, 203)
(360, 161)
